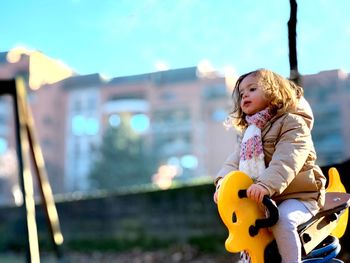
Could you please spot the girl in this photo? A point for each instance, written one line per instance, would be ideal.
(277, 152)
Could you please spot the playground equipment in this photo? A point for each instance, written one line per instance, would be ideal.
(29, 149)
(248, 227)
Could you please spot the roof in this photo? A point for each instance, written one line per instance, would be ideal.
(160, 77)
(83, 81)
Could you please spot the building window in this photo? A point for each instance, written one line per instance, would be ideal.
(3, 145)
(114, 120)
(168, 96)
(215, 91)
(47, 120)
(47, 143)
(139, 123)
(82, 125)
(92, 103)
(77, 106)
(218, 115)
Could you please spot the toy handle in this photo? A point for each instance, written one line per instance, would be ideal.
(262, 223)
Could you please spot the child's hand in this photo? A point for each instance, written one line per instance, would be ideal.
(215, 197)
(217, 191)
(257, 192)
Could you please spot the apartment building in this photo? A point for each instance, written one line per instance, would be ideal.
(179, 113)
(83, 131)
(47, 104)
(329, 95)
(182, 114)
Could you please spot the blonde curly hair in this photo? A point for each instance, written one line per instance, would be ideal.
(282, 93)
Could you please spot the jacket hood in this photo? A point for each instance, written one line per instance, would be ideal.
(304, 110)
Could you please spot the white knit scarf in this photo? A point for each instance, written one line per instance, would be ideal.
(251, 153)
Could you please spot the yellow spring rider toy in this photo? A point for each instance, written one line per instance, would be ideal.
(247, 224)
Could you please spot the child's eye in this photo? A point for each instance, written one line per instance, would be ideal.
(252, 89)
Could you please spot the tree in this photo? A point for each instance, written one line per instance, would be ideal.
(122, 159)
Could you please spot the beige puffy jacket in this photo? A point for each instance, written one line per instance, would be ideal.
(289, 157)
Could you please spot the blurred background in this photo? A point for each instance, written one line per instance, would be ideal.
(128, 100)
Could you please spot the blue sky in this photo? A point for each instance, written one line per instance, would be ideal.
(126, 37)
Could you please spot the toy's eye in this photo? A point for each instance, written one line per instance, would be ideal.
(234, 217)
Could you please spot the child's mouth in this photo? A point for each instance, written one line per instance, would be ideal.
(246, 103)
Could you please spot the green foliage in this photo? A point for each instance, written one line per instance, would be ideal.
(122, 159)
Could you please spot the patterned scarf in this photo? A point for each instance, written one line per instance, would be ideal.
(251, 153)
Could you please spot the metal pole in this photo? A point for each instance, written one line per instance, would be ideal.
(293, 59)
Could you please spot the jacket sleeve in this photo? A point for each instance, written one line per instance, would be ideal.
(291, 151)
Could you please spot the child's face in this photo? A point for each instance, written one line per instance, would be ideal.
(252, 95)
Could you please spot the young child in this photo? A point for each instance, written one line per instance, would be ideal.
(277, 152)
